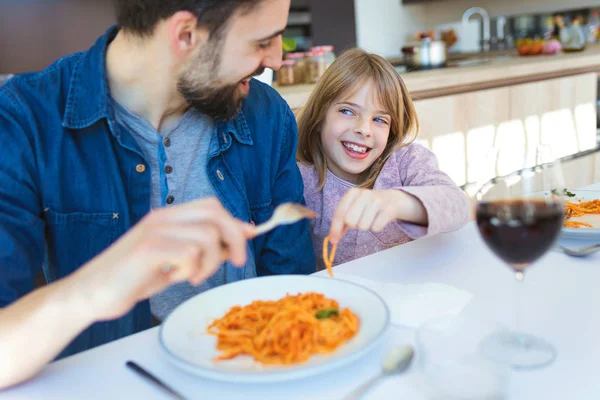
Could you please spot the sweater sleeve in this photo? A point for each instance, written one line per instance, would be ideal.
(446, 204)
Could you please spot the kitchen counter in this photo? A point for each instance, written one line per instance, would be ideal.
(479, 73)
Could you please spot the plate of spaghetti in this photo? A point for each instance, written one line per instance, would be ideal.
(582, 215)
(274, 328)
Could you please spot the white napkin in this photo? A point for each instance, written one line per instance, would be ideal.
(414, 304)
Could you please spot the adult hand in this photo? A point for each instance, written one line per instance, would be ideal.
(170, 245)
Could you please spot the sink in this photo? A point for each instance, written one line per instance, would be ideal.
(471, 61)
(476, 61)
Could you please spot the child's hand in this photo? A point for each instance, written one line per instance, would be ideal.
(373, 210)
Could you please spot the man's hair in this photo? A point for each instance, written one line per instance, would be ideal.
(141, 16)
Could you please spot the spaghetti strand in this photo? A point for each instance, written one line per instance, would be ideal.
(328, 257)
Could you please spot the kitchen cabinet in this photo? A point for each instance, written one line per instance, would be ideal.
(326, 14)
(460, 129)
(558, 112)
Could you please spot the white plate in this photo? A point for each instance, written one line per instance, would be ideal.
(593, 219)
(183, 335)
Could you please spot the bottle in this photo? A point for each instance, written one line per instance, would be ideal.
(316, 66)
(594, 26)
(572, 36)
(329, 54)
(550, 32)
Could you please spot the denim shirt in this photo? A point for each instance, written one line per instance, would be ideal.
(72, 181)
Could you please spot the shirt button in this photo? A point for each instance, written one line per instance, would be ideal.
(168, 169)
(167, 142)
(220, 175)
(141, 168)
(170, 199)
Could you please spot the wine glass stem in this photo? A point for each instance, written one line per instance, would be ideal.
(520, 277)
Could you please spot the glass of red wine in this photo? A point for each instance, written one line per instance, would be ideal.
(519, 217)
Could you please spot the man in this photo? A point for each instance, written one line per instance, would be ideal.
(160, 111)
(34, 329)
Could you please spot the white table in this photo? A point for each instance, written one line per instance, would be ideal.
(561, 303)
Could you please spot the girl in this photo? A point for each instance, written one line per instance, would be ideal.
(361, 172)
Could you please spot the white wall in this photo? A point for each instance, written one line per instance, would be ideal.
(383, 26)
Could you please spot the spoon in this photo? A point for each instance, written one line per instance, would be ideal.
(580, 252)
(285, 214)
(396, 362)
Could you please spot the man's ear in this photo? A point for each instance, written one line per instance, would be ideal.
(184, 34)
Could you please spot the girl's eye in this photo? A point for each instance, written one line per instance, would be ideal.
(346, 111)
(380, 120)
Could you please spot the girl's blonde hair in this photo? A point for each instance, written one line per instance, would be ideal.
(353, 69)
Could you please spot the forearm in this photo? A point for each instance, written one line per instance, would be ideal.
(447, 207)
(409, 208)
(35, 329)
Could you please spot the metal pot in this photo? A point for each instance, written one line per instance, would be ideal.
(426, 54)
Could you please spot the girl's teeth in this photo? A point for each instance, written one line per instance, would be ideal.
(358, 149)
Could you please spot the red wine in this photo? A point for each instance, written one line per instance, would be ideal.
(519, 231)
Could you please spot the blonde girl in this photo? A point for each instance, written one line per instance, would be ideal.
(372, 187)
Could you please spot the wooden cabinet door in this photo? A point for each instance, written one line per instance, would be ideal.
(558, 112)
(461, 129)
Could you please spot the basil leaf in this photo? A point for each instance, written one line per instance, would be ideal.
(564, 192)
(326, 313)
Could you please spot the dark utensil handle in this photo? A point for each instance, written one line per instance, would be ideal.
(147, 375)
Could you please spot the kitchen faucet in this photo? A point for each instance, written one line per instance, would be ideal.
(485, 42)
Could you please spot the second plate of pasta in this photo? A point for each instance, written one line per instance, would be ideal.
(590, 229)
(274, 328)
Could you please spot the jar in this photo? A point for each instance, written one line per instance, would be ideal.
(572, 37)
(316, 66)
(285, 75)
(329, 54)
(300, 67)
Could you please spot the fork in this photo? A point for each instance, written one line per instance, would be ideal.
(580, 252)
(285, 214)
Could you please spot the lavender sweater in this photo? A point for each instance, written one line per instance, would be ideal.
(412, 169)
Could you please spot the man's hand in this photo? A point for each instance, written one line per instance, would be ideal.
(170, 245)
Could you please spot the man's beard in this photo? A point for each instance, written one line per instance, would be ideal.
(220, 102)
